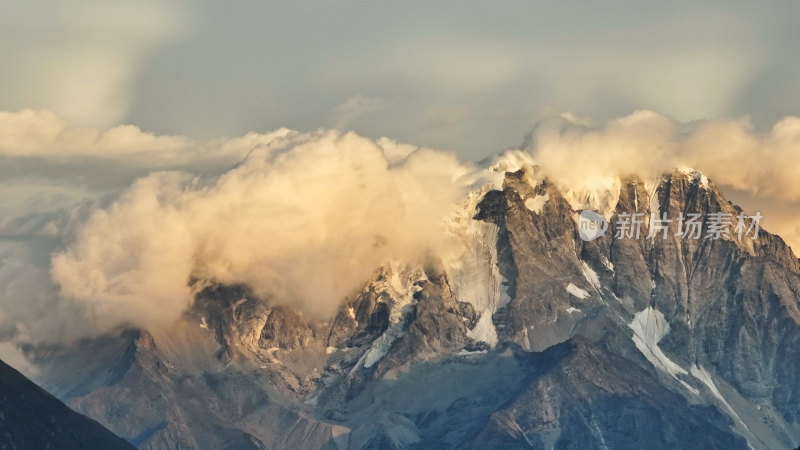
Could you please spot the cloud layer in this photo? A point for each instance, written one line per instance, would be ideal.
(302, 218)
(765, 166)
(647, 143)
(81, 58)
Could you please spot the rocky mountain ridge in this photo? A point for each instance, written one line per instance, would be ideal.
(530, 338)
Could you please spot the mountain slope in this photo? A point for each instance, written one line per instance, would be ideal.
(587, 397)
(30, 418)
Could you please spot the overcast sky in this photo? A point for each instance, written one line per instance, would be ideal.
(464, 75)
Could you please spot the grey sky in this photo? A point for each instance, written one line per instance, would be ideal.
(463, 75)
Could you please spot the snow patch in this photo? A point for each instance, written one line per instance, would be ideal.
(591, 276)
(649, 327)
(702, 374)
(526, 340)
(397, 287)
(380, 347)
(572, 309)
(484, 330)
(473, 271)
(475, 352)
(651, 186)
(536, 204)
(600, 195)
(695, 176)
(577, 292)
(510, 161)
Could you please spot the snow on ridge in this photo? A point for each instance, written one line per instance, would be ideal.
(590, 275)
(473, 273)
(695, 176)
(651, 186)
(474, 352)
(649, 327)
(380, 347)
(399, 286)
(609, 265)
(600, 195)
(577, 292)
(484, 330)
(511, 161)
(473, 270)
(702, 374)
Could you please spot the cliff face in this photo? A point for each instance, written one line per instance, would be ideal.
(533, 338)
(717, 316)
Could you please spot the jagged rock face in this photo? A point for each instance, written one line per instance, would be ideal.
(32, 418)
(691, 343)
(730, 305)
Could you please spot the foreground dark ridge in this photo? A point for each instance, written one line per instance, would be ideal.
(30, 418)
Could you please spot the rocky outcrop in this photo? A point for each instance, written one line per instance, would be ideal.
(584, 396)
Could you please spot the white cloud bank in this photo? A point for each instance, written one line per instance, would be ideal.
(576, 151)
(579, 153)
(44, 134)
(303, 220)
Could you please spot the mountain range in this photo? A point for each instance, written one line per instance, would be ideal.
(529, 337)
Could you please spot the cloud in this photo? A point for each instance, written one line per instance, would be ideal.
(343, 116)
(80, 58)
(302, 218)
(16, 358)
(437, 118)
(53, 177)
(302, 221)
(29, 308)
(581, 154)
(575, 154)
(44, 134)
(648, 143)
